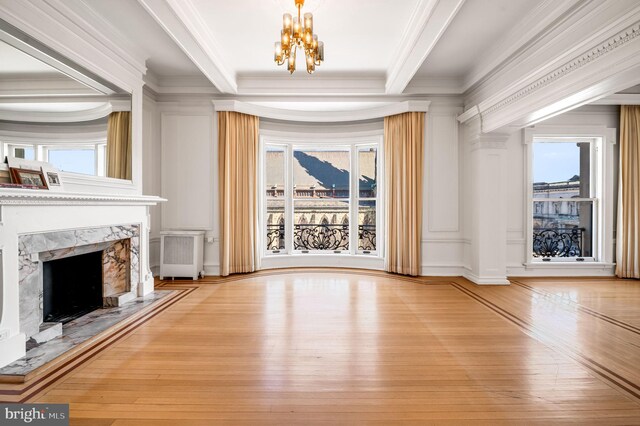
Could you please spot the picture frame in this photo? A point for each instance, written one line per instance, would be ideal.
(32, 178)
(53, 178)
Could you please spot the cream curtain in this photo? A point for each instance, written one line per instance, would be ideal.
(119, 145)
(238, 171)
(403, 158)
(627, 239)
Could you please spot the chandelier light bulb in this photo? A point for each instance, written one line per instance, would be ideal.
(297, 32)
(286, 21)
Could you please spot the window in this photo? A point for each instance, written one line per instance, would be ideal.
(564, 199)
(85, 158)
(26, 152)
(320, 198)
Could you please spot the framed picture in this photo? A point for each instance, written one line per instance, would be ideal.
(33, 178)
(53, 178)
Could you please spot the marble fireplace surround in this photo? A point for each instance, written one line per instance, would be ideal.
(120, 245)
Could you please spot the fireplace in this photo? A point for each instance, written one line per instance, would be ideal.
(72, 287)
(67, 274)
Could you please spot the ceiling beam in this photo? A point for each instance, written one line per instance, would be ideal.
(429, 21)
(619, 99)
(183, 24)
(589, 54)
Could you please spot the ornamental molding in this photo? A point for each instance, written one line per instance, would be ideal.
(622, 38)
(14, 197)
(322, 116)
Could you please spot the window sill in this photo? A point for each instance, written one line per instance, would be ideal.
(564, 265)
(322, 260)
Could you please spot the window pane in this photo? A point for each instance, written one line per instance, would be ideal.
(368, 169)
(24, 152)
(562, 228)
(74, 160)
(561, 170)
(320, 173)
(367, 226)
(275, 172)
(321, 225)
(275, 225)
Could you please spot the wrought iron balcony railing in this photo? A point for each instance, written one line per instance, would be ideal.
(312, 236)
(558, 242)
(275, 237)
(325, 237)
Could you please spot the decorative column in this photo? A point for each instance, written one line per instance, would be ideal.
(486, 206)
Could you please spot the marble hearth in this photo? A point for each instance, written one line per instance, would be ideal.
(120, 247)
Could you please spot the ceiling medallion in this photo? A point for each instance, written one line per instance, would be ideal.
(297, 33)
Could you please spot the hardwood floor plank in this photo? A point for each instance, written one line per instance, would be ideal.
(334, 347)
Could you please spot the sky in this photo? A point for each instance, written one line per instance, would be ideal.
(77, 161)
(69, 160)
(555, 162)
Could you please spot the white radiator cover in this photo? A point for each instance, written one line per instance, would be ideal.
(182, 254)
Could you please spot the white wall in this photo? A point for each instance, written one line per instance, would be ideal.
(181, 152)
(180, 142)
(152, 169)
(188, 164)
(442, 228)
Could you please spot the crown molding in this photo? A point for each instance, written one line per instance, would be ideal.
(185, 26)
(65, 116)
(619, 99)
(540, 19)
(29, 134)
(325, 84)
(428, 22)
(605, 61)
(24, 85)
(70, 31)
(321, 116)
(435, 86)
(180, 84)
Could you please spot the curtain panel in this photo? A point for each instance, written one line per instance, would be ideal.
(403, 160)
(119, 154)
(238, 175)
(627, 239)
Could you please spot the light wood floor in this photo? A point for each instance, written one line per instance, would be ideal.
(305, 347)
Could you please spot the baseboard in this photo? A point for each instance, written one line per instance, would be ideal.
(485, 280)
(442, 270)
(212, 270)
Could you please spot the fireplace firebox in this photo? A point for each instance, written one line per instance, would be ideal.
(72, 287)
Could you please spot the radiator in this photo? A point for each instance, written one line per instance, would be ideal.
(181, 254)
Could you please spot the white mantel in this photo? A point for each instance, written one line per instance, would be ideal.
(28, 197)
(27, 212)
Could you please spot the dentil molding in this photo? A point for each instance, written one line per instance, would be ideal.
(619, 40)
(13, 197)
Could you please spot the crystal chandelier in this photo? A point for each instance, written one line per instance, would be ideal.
(296, 33)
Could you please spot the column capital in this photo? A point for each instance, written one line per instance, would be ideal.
(477, 139)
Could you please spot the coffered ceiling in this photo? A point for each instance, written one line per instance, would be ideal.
(377, 47)
(489, 51)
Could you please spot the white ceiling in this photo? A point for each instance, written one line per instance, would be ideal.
(389, 41)
(357, 35)
(478, 27)
(374, 47)
(163, 56)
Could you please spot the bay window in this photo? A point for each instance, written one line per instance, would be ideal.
(321, 198)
